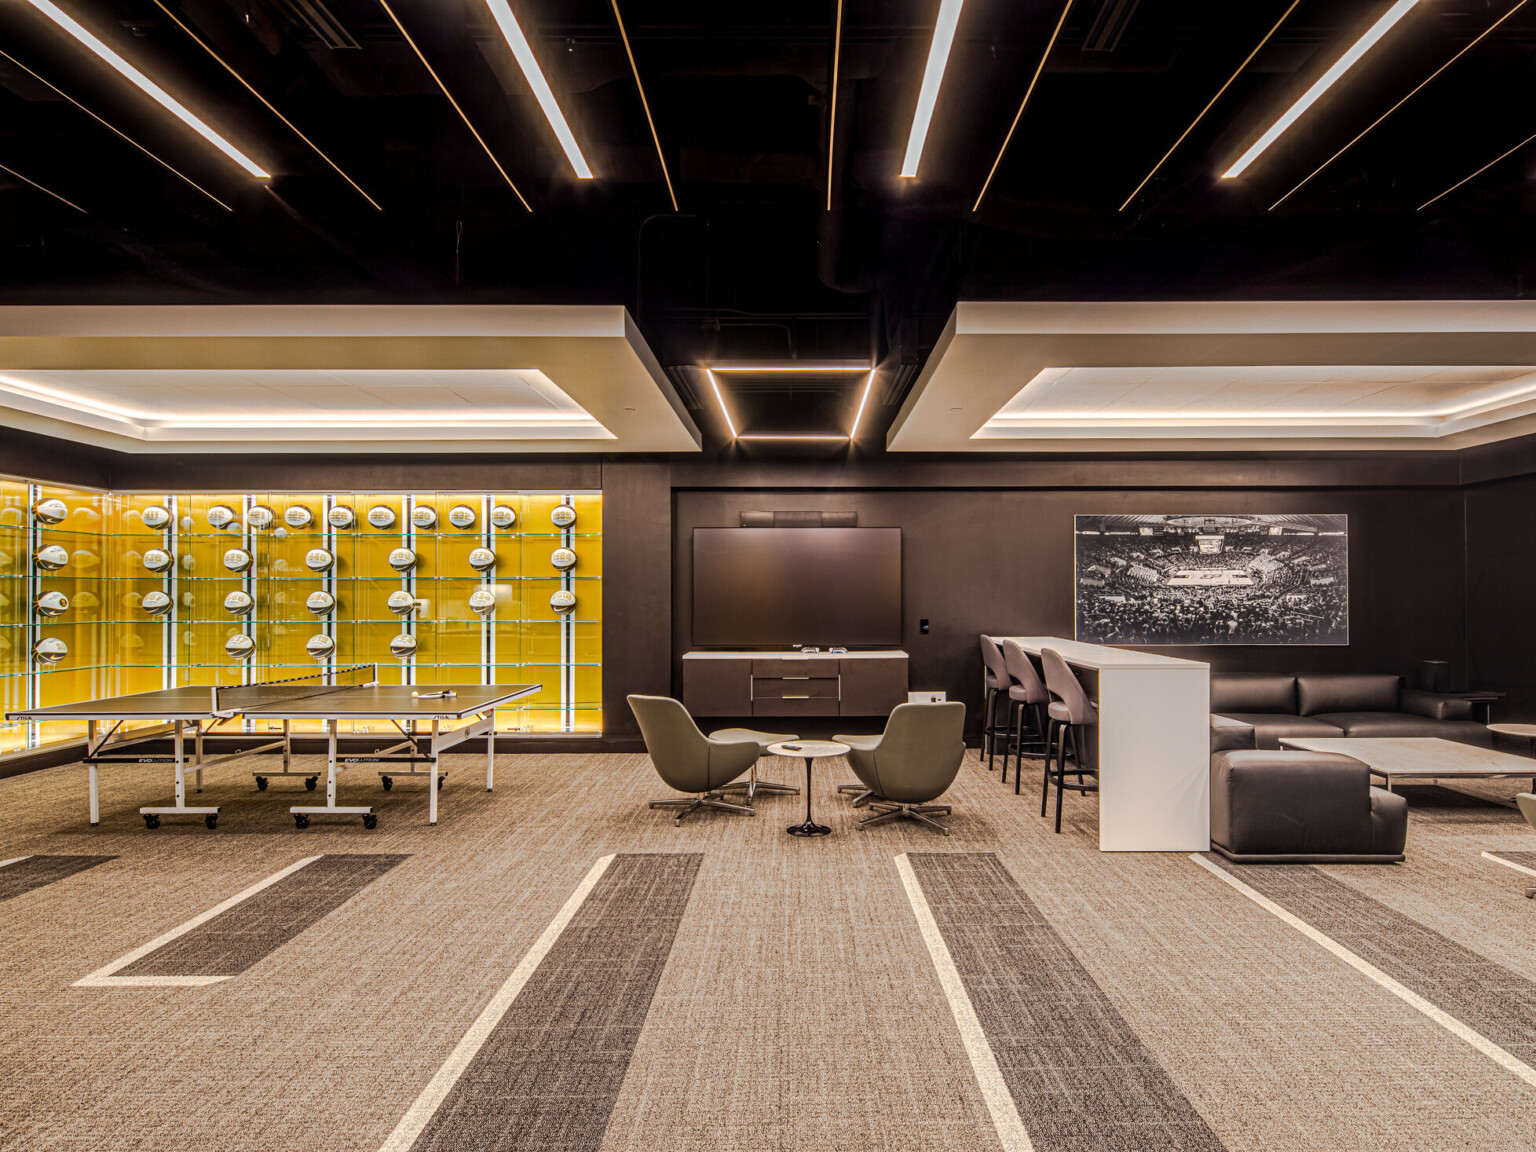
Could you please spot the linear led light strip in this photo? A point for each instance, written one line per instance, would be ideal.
(1023, 104)
(1417, 88)
(156, 93)
(822, 369)
(535, 77)
(1506, 397)
(1342, 65)
(933, 76)
(646, 104)
(116, 412)
(294, 128)
(837, 52)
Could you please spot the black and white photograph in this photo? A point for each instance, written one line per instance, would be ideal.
(1204, 579)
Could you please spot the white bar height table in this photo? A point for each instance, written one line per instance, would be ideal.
(1152, 744)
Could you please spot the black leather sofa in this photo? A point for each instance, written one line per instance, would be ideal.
(1340, 704)
(1302, 808)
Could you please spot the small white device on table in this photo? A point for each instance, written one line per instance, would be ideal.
(808, 750)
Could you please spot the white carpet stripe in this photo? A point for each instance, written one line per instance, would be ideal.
(1452, 1025)
(437, 1089)
(19, 859)
(1005, 1116)
(1509, 864)
(103, 978)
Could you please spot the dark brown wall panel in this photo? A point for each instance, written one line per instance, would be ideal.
(1501, 594)
(637, 589)
(1001, 561)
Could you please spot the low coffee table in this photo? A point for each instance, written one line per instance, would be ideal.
(1420, 757)
(808, 750)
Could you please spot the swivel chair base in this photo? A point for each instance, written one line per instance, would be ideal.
(1530, 893)
(691, 804)
(884, 811)
(752, 786)
(865, 795)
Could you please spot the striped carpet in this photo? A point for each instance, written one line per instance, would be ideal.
(725, 986)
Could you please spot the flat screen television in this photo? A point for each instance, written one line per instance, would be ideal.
(775, 587)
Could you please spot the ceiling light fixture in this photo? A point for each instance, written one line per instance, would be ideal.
(1342, 65)
(1147, 179)
(790, 437)
(203, 44)
(858, 416)
(933, 76)
(780, 369)
(837, 51)
(156, 93)
(1417, 88)
(117, 131)
(644, 103)
(1023, 104)
(535, 77)
(1479, 172)
(40, 188)
(719, 399)
(443, 88)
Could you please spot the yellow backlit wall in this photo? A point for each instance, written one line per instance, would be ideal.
(116, 647)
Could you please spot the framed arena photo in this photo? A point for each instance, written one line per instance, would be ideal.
(1254, 579)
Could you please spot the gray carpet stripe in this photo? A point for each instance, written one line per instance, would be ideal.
(240, 936)
(1485, 996)
(1080, 1077)
(547, 1077)
(36, 871)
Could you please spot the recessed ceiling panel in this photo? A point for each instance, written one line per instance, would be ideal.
(1137, 377)
(339, 379)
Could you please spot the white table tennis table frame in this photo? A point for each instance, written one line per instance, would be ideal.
(106, 748)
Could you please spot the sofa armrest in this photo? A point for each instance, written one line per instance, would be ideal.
(1229, 735)
(1435, 705)
(1285, 803)
(1389, 822)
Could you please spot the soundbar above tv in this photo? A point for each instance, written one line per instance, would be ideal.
(777, 587)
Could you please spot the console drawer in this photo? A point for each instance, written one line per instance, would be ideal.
(783, 707)
(792, 666)
(789, 687)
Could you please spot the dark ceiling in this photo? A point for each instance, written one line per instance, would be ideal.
(752, 264)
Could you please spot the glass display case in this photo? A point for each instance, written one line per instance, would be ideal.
(493, 587)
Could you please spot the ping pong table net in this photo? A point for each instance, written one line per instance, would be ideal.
(235, 698)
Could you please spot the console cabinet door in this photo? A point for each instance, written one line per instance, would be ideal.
(717, 687)
(873, 687)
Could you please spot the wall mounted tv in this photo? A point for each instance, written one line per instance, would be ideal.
(774, 587)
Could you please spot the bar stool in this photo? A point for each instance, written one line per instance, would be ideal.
(1027, 692)
(1069, 712)
(996, 682)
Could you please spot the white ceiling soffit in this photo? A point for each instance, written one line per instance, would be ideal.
(1322, 375)
(339, 379)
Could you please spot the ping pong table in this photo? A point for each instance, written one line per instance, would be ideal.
(199, 710)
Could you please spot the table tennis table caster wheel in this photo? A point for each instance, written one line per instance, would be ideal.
(211, 821)
(300, 820)
(387, 781)
(310, 782)
(370, 821)
(151, 820)
(261, 783)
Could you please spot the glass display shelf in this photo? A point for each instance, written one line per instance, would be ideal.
(312, 577)
(297, 534)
